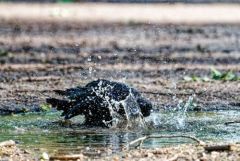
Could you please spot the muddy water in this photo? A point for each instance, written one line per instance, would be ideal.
(44, 132)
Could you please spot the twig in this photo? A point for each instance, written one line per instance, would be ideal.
(31, 90)
(232, 122)
(44, 78)
(142, 139)
(158, 93)
(169, 94)
(218, 148)
(67, 157)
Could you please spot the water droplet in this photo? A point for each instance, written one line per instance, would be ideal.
(89, 59)
(90, 70)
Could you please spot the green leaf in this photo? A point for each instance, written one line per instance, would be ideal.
(229, 76)
(196, 78)
(45, 107)
(192, 78)
(215, 74)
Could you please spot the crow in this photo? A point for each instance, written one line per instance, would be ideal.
(101, 101)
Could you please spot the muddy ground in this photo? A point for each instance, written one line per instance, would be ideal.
(38, 57)
(211, 152)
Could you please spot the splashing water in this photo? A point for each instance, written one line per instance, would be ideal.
(175, 118)
(90, 69)
(132, 118)
(182, 112)
(133, 112)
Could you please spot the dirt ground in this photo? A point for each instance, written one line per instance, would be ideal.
(38, 56)
(42, 51)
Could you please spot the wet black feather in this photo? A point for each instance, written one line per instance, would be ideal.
(94, 101)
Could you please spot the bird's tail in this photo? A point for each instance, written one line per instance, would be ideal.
(61, 105)
(60, 92)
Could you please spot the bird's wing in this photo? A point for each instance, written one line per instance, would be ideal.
(72, 93)
(98, 83)
(119, 92)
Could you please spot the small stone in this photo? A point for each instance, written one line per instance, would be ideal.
(214, 154)
(149, 155)
(44, 156)
(116, 158)
(109, 151)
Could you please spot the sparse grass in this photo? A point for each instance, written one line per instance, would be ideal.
(195, 78)
(225, 76)
(215, 75)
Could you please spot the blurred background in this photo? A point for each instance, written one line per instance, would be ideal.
(132, 1)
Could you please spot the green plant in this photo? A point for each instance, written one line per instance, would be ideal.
(195, 78)
(225, 76)
(215, 75)
(45, 107)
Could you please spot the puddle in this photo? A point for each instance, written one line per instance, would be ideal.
(41, 131)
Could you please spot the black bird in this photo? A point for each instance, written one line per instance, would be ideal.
(100, 101)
